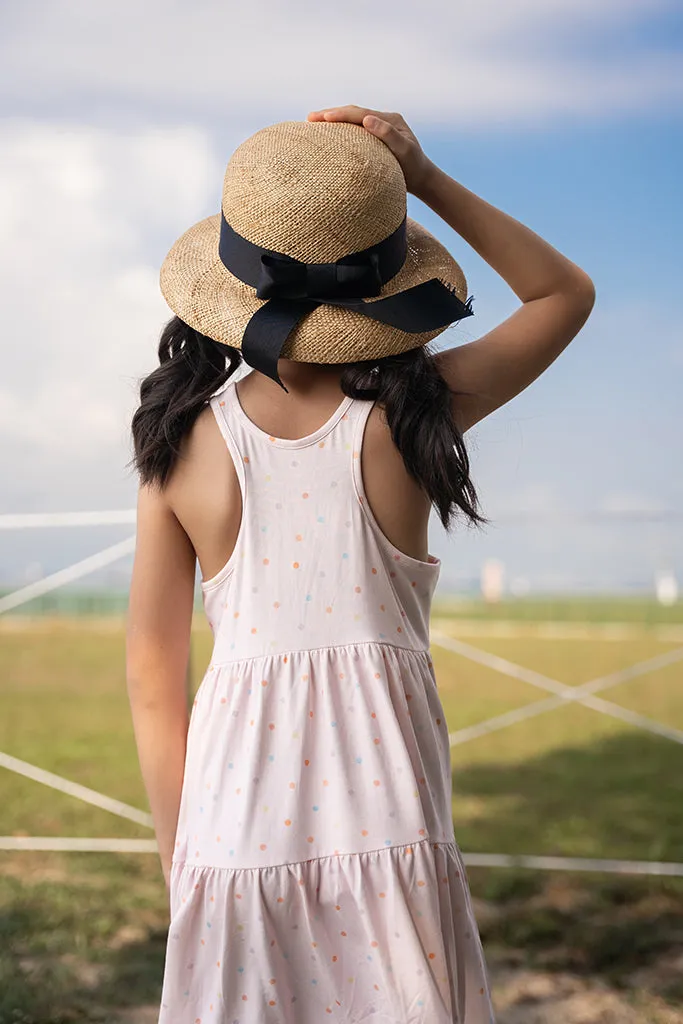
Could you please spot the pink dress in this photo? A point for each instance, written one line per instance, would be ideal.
(316, 875)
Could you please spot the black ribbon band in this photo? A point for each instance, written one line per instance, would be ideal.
(294, 288)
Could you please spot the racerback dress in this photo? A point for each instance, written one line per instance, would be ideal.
(315, 874)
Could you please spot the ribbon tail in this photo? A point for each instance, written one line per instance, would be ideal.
(424, 307)
(268, 330)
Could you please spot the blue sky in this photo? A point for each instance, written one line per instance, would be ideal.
(568, 116)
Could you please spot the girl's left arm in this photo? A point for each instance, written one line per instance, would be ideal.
(157, 653)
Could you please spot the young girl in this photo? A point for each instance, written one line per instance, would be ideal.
(303, 815)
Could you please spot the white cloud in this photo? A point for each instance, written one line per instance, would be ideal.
(465, 63)
(86, 219)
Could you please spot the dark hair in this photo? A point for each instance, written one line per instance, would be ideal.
(415, 397)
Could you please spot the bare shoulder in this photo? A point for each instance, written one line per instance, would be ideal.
(398, 503)
(486, 373)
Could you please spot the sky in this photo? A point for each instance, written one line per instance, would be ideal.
(116, 122)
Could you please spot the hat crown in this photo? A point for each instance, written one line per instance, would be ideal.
(315, 191)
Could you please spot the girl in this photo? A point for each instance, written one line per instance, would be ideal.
(303, 814)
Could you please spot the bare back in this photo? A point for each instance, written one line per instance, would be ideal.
(204, 491)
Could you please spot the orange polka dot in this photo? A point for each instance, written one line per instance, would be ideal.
(421, 832)
(438, 721)
(271, 725)
(481, 991)
(264, 682)
(373, 714)
(295, 565)
(337, 907)
(288, 821)
(246, 458)
(376, 740)
(382, 895)
(355, 455)
(334, 959)
(377, 676)
(221, 404)
(266, 561)
(253, 629)
(237, 615)
(299, 537)
(377, 987)
(305, 494)
(271, 1002)
(271, 438)
(392, 574)
(272, 981)
(420, 882)
(325, 782)
(432, 956)
(364, 832)
(398, 629)
(292, 785)
(218, 963)
(309, 839)
(381, 608)
(374, 571)
(357, 589)
(343, 933)
(244, 998)
(218, 839)
(376, 782)
(280, 899)
(321, 444)
(422, 781)
(374, 944)
(341, 675)
(310, 714)
(276, 604)
(413, 584)
(306, 762)
(305, 677)
(262, 846)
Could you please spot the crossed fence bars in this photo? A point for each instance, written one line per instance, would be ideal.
(561, 694)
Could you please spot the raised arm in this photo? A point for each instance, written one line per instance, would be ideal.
(157, 652)
(557, 296)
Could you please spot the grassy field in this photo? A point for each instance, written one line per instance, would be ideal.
(82, 935)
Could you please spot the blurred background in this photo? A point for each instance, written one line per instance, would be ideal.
(557, 631)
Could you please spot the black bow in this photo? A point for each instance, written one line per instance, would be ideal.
(293, 289)
(282, 277)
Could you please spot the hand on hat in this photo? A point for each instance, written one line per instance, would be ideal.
(392, 130)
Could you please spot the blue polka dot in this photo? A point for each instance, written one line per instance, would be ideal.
(321, 519)
(345, 555)
(240, 970)
(387, 842)
(420, 1003)
(208, 924)
(201, 810)
(309, 597)
(368, 958)
(231, 765)
(232, 853)
(315, 807)
(359, 760)
(314, 981)
(333, 724)
(263, 529)
(271, 757)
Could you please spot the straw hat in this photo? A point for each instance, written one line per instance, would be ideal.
(298, 195)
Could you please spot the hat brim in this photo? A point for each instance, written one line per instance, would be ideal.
(202, 292)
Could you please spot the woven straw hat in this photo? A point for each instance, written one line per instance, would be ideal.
(314, 192)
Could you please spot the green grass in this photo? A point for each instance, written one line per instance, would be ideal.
(82, 934)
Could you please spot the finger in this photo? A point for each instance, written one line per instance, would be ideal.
(386, 132)
(351, 113)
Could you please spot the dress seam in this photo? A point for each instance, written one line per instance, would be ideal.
(451, 843)
(324, 647)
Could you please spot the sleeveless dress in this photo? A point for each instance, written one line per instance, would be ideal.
(315, 874)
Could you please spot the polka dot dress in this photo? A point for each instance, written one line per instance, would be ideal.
(315, 874)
